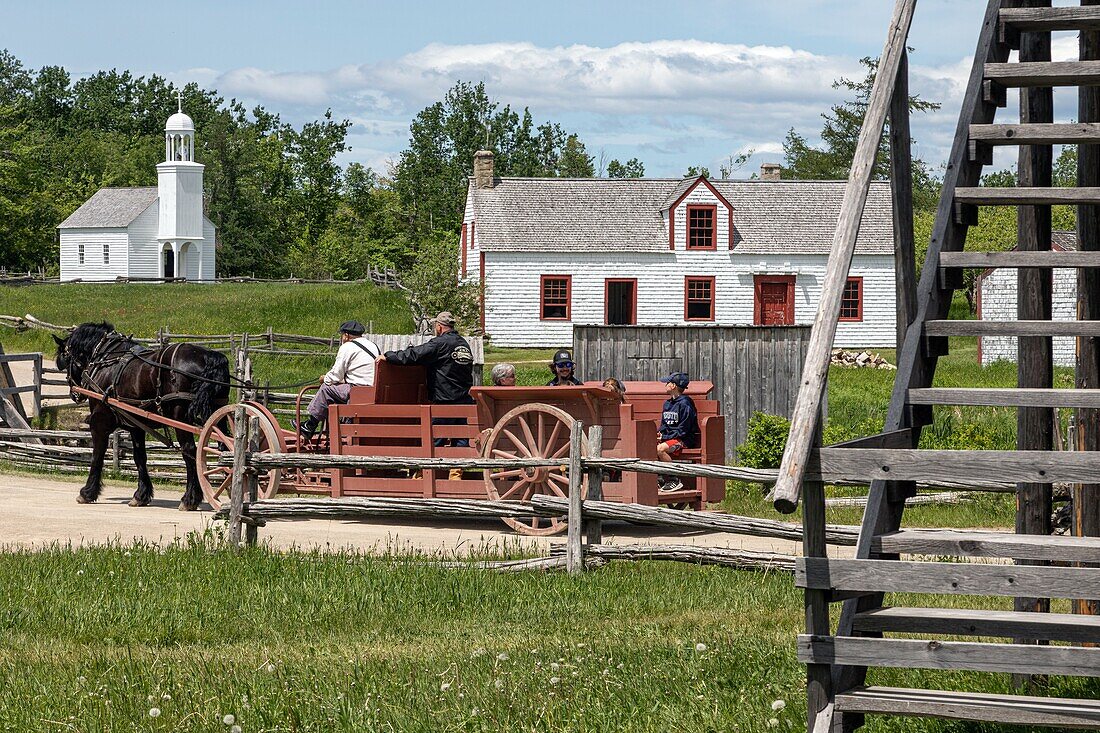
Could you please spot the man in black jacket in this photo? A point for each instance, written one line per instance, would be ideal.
(450, 364)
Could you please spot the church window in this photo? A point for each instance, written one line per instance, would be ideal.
(80, 253)
(106, 254)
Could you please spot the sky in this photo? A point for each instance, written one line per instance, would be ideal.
(675, 84)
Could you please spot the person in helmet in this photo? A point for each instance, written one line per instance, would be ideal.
(354, 366)
(562, 366)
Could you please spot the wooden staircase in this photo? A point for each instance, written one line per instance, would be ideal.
(840, 652)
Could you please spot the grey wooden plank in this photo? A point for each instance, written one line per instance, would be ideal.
(1044, 73)
(1012, 328)
(896, 576)
(1051, 19)
(853, 465)
(804, 420)
(973, 543)
(1029, 196)
(991, 708)
(1006, 396)
(1074, 627)
(1019, 259)
(968, 655)
(901, 188)
(1059, 133)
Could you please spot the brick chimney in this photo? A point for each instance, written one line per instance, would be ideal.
(483, 169)
(770, 171)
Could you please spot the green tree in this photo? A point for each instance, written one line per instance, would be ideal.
(575, 161)
(632, 168)
(695, 171)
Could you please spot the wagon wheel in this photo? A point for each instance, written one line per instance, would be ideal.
(217, 435)
(531, 431)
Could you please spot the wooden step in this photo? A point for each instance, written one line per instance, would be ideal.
(1051, 19)
(1036, 134)
(976, 469)
(1012, 328)
(1044, 73)
(1075, 627)
(866, 651)
(1005, 397)
(972, 543)
(969, 579)
(1015, 258)
(1026, 196)
(1007, 709)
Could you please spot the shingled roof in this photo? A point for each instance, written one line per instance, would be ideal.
(624, 215)
(111, 207)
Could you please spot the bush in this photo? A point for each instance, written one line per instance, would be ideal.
(766, 439)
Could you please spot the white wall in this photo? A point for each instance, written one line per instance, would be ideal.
(144, 247)
(93, 240)
(209, 254)
(513, 289)
(998, 303)
(699, 195)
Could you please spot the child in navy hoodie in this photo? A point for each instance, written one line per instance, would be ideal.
(679, 427)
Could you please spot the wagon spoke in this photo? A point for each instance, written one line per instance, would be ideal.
(531, 442)
(516, 442)
(223, 485)
(512, 490)
(512, 473)
(554, 487)
(542, 434)
(544, 449)
(529, 492)
(498, 453)
(560, 452)
(535, 522)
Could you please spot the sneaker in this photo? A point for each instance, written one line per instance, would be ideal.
(307, 428)
(670, 486)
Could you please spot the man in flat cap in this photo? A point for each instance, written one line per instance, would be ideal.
(354, 366)
(450, 364)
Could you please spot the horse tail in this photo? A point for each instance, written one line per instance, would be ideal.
(212, 389)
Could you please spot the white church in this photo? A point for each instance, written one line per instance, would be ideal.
(145, 232)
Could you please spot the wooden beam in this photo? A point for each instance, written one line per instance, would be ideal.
(1008, 709)
(843, 465)
(981, 622)
(1019, 259)
(968, 655)
(1012, 328)
(972, 543)
(1069, 133)
(1027, 196)
(805, 416)
(901, 189)
(1024, 74)
(968, 579)
(1006, 397)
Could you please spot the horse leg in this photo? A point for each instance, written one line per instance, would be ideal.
(102, 423)
(192, 496)
(144, 494)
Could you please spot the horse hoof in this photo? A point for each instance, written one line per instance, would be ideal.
(139, 502)
(188, 507)
(80, 499)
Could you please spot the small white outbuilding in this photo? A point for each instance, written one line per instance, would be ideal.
(145, 232)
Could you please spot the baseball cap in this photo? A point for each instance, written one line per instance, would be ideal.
(678, 378)
(355, 328)
(445, 317)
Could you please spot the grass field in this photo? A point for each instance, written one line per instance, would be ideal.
(97, 639)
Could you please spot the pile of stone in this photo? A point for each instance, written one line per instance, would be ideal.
(861, 360)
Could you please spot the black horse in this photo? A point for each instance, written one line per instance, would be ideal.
(183, 382)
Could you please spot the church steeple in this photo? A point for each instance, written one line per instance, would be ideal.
(179, 136)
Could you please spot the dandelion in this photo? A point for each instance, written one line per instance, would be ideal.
(154, 712)
(502, 657)
(270, 668)
(235, 729)
(773, 722)
(554, 666)
(498, 683)
(126, 554)
(229, 719)
(779, 705)
(700, 647)
(166, 696)
(445, 686)
(555, 680)
(480, 652)
(79, 572)
(81, 679)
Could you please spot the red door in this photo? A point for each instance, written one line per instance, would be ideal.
(774, 301)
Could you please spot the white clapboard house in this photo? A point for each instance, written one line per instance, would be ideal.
(551, 252)
(145, 232)
(996, 301)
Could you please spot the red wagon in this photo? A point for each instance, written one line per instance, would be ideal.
(394, 418)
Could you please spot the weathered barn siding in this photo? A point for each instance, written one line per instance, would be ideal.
(997, 302)
(93, 240)
(754, 368)
(512, 290)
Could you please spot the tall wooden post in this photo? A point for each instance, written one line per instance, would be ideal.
(901, 186)
(574, 549)
(1034, 358)
(593, 528)
(237, 482)
(1086, 497)
(251, 482)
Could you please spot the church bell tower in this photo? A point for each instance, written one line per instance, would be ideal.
(179, 183)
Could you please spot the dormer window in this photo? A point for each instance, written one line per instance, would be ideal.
(702, 230)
